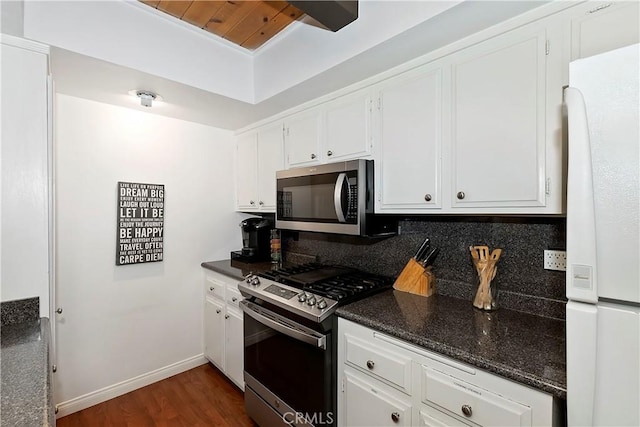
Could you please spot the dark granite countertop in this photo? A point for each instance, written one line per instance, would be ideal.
(521, 347)
(236, 269)
(26, 380)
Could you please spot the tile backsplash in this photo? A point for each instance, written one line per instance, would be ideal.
(523, 283)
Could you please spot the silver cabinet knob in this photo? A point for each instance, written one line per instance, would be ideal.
(466, 410)
(54, 368)
(460, 195)
(211, 288)
(251, 202)
(59, 310)
(218, 311)
(427, 197)
(329, 153)
(370, 364)
(226, 316)
(234, 299)
(313, 156)
(261, 203)
(395, 417)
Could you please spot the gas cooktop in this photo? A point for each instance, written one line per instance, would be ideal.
(313, 290)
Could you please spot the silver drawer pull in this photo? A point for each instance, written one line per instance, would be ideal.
(370, 364)
(395, 417)
(466, 410)
(234, 299)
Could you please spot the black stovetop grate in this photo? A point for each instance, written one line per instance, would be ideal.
(344, 285)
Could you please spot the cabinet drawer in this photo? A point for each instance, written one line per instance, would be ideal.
(429, 416)
(371, 405)
(233, 295)
(214, 288)
(473, 403)
(379, 362)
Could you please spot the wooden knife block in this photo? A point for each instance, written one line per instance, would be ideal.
(416, 279)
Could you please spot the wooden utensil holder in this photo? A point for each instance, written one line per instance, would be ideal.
(416, 279)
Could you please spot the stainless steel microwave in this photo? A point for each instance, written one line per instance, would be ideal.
(331, 198)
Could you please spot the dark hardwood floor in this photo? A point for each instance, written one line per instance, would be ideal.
(199, 397)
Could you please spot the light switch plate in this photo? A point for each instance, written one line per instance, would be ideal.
(555, 260)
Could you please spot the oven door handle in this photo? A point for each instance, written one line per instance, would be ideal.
(316, 340)
(337, 196)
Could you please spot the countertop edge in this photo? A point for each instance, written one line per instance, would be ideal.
(507, 372)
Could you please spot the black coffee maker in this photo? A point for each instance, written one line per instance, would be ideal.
(256, 235)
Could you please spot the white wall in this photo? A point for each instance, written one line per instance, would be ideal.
(121, 322)
(139, 37)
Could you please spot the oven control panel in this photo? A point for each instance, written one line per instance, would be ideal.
(306, 304)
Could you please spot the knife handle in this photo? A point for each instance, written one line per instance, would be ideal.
(423, 248)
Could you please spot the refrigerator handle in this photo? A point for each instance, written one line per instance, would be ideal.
(581, 324)
(581, 276)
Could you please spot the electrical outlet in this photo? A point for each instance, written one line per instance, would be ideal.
(555, 260)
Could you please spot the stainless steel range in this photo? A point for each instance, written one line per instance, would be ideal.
(290, 348)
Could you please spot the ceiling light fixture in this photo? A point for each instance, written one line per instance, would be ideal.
(146, 97)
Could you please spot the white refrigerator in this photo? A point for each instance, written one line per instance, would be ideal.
(603, 240)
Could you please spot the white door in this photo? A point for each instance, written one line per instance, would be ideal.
(498, 122)
(348, 127)
(410, 143)
(214, 332)
(270, 160)
(367, 404)
(247, 172)
(302, 136)
(603, 364)
(234, 347)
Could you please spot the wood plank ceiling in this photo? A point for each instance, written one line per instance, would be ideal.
(246, 23)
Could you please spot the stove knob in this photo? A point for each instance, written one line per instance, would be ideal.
(322, 304)
(248, 278)
(302, 296)
(255, 281)
(311, 300)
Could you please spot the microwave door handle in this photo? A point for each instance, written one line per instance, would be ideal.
(337, 196)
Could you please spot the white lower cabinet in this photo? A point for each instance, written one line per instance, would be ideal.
(372, 404)
(384, 381)
(223, 326)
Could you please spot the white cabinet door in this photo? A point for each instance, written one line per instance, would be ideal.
(270, 160)
(598, 27)
(428, 416)
(498, 122)
(348, 127)
(234, 347)
(368, 404)
(26, 175)
(302, 137)
(214, 332)
(247, 172)
(410, 143)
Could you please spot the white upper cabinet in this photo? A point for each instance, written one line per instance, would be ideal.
(498, 122)
(302, 138)
(598, 27)
(348, 127)
(247, 171)
(409, 145)
(259, 154)
(335, 131)
(270, 160)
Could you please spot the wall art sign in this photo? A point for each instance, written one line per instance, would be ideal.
(140, 223)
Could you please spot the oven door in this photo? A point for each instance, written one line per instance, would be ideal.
(287, 368)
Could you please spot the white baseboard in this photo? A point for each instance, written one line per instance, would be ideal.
(124, 387)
